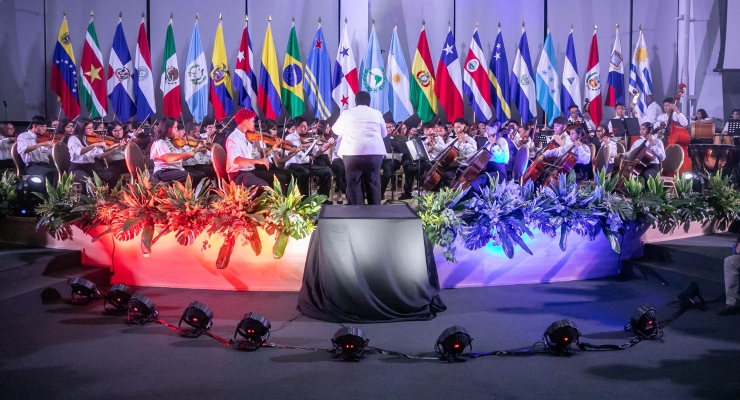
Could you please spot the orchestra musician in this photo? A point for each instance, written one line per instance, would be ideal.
(299, 162)
(560, 134)
(242, 157)
(202, 161)
(621, 113)
(7, 138)
(416, 169)
(466, 147)
(499, 148)
(655, 145)
(576, 137)
(65, 128)
(116, 158)
(444, 133)
(54, 123)
(575, 118)
(724, 136)
(651, 113)
(595, 138)
(98, 126)
(605, 137)
(701, 115)
(84, 154)
(389, 166)
(37, 155)
(168, 159)
(328, 156)
(668, 106)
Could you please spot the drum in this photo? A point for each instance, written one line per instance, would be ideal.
(711, 158)
(702, 129)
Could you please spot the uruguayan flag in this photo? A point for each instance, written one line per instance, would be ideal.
(640, 78)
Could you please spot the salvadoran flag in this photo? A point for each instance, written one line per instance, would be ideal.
(571, 93)
(640, 79)
(548, 83)
(120, 77)
(399, 94)
(345, 80)
(475, 81)
(523, 92)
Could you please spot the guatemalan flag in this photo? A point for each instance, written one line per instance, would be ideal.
(548, 85)
(64, 73)
(345, 83)
(120, 79)
(498, 74)
(640, 79)
(475, 81)
(522, 85)
(318, 77)
(448, 87)
(196, 79)
(571, 93)
(399, 94)
(245, 82)
(143, 79)
(268, 93)
(615, 79)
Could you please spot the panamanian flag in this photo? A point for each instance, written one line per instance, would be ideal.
(345, 83)
(120, 77)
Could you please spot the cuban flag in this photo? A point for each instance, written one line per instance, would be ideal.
(615, 79)
(571, 93)
(245, 83)
(522, 84)
(640, 80)
(196, 78)
(475, 80)
(373, 75)
(318, 77)
(448, 87)
(399, 94)
(345, 83)
(120, 78)
(143, 80)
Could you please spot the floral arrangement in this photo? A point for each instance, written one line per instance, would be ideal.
(7, 192)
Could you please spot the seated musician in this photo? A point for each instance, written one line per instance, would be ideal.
(209, 129)
(621, 113)
(576, 137)
(242, 157)
(561, 135)
(54, 123)
(575, 118)
(85, 154)
(300, 162)
(606, 141)
(444, 133)
(65, 128)
(595, 137)
(273, 153)
(655, 145)
(701, 115)
(7, 138)
(116, 157)
(335, 161)
(168, 158)
(726, 139)
(651, 112)
(668, 106)
(466, 148)
(37, 155)
(415, 170)
(202, 161)
(499, 148)
(389, 166)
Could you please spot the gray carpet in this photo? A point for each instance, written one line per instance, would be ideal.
(69, 351)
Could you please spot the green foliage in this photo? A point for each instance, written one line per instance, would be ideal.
(8, 201)
(289, 215)
(723, 201)
(441, 223)
(56, 210)
(185, 210)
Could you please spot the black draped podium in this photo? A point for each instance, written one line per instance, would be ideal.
(370, 264)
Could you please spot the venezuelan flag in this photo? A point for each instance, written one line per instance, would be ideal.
(268, 96)
(64, 73)
(221, 96)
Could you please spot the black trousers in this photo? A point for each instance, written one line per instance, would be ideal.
(268, 175)
(43, 169)
(389, 167)
(178, 175)
(303, 173)
(651, 171)
(7, 164)
(84, 171)
(118, 167)
(340, 179)
(363, 171)
(247, 178)
(413, 170)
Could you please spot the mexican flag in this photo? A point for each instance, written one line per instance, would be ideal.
(92, 74)
(422, 80)
(170, 81)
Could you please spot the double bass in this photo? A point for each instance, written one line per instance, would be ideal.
(675, 133)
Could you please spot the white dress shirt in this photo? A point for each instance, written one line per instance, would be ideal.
(75, 150)
(678, 117)
(118, 154)
(362, 130)
(651, 113)
(27, 139)
(237, 145)
(159, 149)
(468, 148)
(658, 149)
(5, 146)
(302, 157)
(612, 151)
(583, 152)
(438, 147)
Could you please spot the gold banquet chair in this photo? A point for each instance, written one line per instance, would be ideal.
(134, 160)
(20, 166)
(671, 165)
(62, 159)
(218, 159)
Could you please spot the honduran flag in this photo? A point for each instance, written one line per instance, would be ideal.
(268, 93)
(571, 92)
(449, 80)
(593, 82)
(120, 77)
(475, 81)
(143, 80)
(522, 83)
(615, 79)
(64, 73)
(548, 84)
(221, 98)
(345, 83)
(245, 82)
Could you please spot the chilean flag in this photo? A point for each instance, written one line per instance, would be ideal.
(345, 83)
(593, 82)
(475, 83)
(120, 77)
(448, 86)
(245, 82)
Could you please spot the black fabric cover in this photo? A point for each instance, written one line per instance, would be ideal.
(370, 264)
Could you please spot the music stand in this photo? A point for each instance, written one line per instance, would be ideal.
(733, 128)
(418, 152)
(393, 146)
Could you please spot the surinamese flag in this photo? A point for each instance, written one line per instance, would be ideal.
(92, 92)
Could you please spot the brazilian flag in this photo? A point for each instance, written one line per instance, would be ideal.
(292, 86)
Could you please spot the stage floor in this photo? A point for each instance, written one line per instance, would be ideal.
(65, 351)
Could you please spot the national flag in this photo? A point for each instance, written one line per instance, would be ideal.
(345, 84)
(498, 74)
(399, 97)
(640, 79)
(571, 93)
(448, 81)
(548, 83)
(373, 75)
(318, 77)
(170, 80)
(522, 84)
(268, 96)
(292, 86)
(92, 91)
(120, 77)
(615, 79)
(196, 77)
(64, 73)
(245, 82)
(143, 80)
(422, 84)
(475, 82)
(593, 82)
(221, 97)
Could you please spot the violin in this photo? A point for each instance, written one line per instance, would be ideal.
(49, 137)
(182, 142)
(109, 140)
(268, 139)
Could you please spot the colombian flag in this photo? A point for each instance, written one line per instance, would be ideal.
(422, 80)
(64, 73)
(292, 89)
(268, 97)
(221, 96)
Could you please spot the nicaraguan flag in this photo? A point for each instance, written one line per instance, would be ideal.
(523, 92)
(318, 77)
(399, 95)
(196, 78)
(548, 83)
(498, 75)
(475, 80)
(615, 79)
(373, 75)
(571, 93)
(120, 77)
(143, 79)
(245, 82)
(640, 79)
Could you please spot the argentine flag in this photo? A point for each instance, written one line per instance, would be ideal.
(372, 77)
(571, 93)
(399, 94)
(196, 78)
(523, 92)
(548, 83)
(640, 79)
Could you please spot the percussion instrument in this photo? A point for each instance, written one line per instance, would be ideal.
(710, 158)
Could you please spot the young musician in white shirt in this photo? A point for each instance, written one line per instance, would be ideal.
(576, 141)
(242, 156)
(300, 162)
(168, 158)
(574, 118)
(7, 138)
(85, 154)
(655, 145)
(37, 155)
(724, 136)
(652, 112)
(612, 146)
(668, 106)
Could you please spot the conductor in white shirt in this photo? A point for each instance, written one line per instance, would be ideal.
(361, 131)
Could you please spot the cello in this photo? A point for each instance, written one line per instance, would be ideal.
(476, 164)
(539, 163)
(563, 165)
(444, 161)
(675, 133)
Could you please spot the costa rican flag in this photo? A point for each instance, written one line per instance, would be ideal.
(120, 77)
(475, 80)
